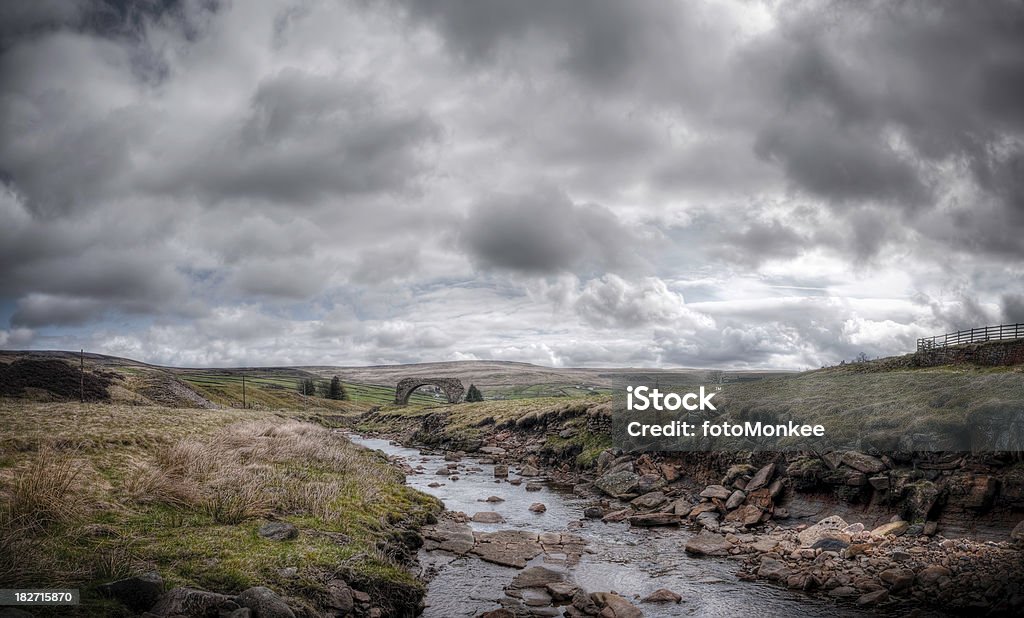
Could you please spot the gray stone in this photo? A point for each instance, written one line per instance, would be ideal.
(735, 499)
(534, 486)
(339, 597)
(708, 544)
(762, 478)
(615, 606)
(139, 593)
(617, 484)
(715, 491)
(512, 548)
(501, 471)
(536, 577)
(492, 450)
(828, 528)
(529, 470)
(452, 388)
(561, 591)
(188, 602)
(830, 545)
(773, 569)
(593, 512)
(649, 500)
(488, 517)
(278, 531)
(894, 528)
(538, 507)
(265, 603)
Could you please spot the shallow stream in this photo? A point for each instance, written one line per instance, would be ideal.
(630, 561)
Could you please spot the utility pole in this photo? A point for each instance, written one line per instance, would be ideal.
(243, 391)
(81, 375)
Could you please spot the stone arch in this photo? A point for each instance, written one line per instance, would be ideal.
(452, 388)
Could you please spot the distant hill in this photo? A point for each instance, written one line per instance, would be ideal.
(277, 387)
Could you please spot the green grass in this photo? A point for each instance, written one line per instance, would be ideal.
(93, 493)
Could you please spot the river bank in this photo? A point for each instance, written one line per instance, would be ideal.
(764, 516)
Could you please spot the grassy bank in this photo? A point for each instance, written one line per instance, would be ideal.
(97, 492)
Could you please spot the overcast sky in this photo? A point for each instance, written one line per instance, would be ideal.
(588, 183)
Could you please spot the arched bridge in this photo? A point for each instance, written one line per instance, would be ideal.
(452, 388)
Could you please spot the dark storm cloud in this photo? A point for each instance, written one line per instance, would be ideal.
(1013, 308)
(544, 232)
(307, 136)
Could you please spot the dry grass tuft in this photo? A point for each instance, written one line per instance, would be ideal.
(48, 492)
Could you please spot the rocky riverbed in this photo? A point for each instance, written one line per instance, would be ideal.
(638, 536)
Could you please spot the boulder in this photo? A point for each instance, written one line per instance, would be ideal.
(649, 482)
(650, 500)
(617, 484)
(501, 471)
(617, 516)
(862, 462)
(492, 450)
(708, 544)
(715, 491)
(339, 597)
(139, 593)
(538, 507)
(762, 478)
(662, 595)
(189, 602)
(593, 512)
(278, 531)
(773, 569)
(708, 520)
(748, 515)
(828, 528)
(264, 603)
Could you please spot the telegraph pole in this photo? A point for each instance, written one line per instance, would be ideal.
(243, 391)
(81, 375)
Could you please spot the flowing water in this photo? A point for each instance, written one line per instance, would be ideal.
(630, 561)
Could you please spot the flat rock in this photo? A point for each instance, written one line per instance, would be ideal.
(617, 516)
(492, 450)
(619, 483)
(561, 591)
(512, 548)
(451, 536)
(488, 517)
(715, 491)
(650, 500)
(708, 544)
(534, 486)
(536, 577)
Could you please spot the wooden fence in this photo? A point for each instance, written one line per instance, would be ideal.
(974, 335)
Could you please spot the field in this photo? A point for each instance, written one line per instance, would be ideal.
(94, 492)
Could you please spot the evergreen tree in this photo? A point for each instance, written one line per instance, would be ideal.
(307, 387)
(474, 394)
(337, 390)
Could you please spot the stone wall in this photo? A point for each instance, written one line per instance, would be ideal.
(988, 354)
